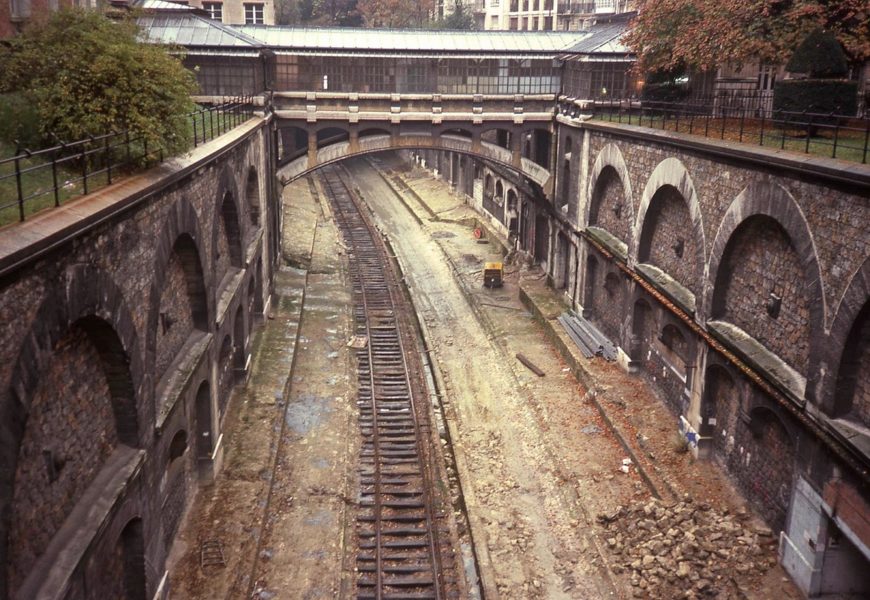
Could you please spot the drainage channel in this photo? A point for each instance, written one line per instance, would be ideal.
(405, 545)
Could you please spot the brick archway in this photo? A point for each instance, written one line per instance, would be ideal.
(86, 300)
(853, 304)
(671, 174)
(761, 199)
(610, 157)
(182, 223)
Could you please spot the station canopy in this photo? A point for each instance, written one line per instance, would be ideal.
(198, 34)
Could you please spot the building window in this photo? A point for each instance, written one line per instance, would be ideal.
(215, 10)
(254, 14)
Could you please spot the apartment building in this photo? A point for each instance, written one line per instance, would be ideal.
(236, 12)
(544, 15)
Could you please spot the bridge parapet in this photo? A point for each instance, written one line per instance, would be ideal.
(468, 109)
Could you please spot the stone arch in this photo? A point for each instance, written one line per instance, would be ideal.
(252, 196)
(86, 293)
(239, 342)
(177, 447)
(720, 404)
(329, 134)
(227, 236)
(132, 542)
(844, 357)
(642, 326)
(82, 337)
(768, 462)
(565, 187)
(175, 497)
(225, 372)
(764, 209)
(300, 165)
(372, 131)
(511, 211)
(203, 421)
(589, 281)
(562, 261)
(258, 286)
(674, 340)
(488, 186)
(610, 299)
(293, 143)
(536, 144)
(179, 238)
(846, 323)
(499, 136)
(852, 391)
(670, 186)
(610, 159)
(457, 131)
(499, 192)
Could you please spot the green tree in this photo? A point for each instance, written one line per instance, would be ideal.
(87, 75)
(704, 34)
(396, 14)
(821, 59)
(459, 19)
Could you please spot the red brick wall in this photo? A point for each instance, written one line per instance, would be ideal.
(80, 431)
(760, 260)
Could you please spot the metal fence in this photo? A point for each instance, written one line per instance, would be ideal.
(749, 120)
(33, 180)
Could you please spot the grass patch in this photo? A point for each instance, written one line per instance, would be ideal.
(43, 186)
(37, 186)
(849, 142)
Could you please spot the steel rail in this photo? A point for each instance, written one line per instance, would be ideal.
(399, 531)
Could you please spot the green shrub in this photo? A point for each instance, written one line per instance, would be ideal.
(837, 96)
(19, 121)
(86, 74)
(819, 56)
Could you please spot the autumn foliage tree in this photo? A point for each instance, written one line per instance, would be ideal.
(395, 13)
(84, 74)
(704, 34)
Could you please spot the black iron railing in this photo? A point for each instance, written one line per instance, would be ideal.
(755, 122)
(33, 180)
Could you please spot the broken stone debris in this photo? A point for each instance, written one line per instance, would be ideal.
(685, 550)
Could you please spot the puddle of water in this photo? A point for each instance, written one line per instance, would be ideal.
(307, 412)
(319, 463)
(321, 517)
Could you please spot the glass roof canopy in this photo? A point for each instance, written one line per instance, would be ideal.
(201, 35)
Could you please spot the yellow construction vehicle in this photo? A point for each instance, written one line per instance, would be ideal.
(493, 274)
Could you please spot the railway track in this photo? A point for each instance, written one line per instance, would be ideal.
(401, 545)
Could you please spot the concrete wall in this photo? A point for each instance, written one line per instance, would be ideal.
(113, 388)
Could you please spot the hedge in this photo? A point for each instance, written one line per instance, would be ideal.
(825, 96)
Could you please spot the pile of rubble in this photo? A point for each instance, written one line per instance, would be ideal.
(686, 549)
